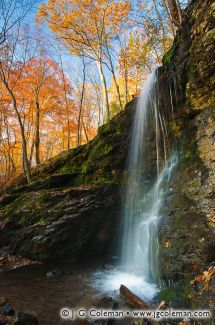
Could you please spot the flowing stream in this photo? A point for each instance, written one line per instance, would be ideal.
(147, 169)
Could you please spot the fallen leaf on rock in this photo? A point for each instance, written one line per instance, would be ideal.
(205, 277)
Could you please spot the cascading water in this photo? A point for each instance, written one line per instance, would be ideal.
(147, 169)
(139, 244)
(143, 196)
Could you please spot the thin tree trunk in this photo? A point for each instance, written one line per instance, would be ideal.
(162, 26)
(98, 101)
(114, 78)
(66, 103)
(105, 92)
(179, 11)
(6, 171)
(118, 91)
(25, 155)
(126, 86)
(85, 132)
(7, 175)
(173, 8)
(31, 153)
(81, 102)
(169, 17)
(24, 144)
(37, 131)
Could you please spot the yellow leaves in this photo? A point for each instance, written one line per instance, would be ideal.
(203, 288)
(211, 220)
(175, 127)
(85, 24)
(42, 11)
(205, 278)
(167, 244)
(42, 14)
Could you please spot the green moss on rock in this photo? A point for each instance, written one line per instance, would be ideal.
(168, 55)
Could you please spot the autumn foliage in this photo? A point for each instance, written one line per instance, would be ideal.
(47, 106)
(40, 100)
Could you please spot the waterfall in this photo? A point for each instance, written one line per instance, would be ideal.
(147, 169)
(147, 175)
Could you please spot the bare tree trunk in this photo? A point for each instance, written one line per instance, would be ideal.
(31, 153)
(124, 69)
(161, 25)
(169, 17)
(98, 101)
(25, 155)
(11, 165)
(81, 102)
(118, 92)
(126, 86)
(66, 102)
(24, 144)
(85, 132)
(114, 77)
(37, 131)
(179, 11)
(105, 92)
(175, 11)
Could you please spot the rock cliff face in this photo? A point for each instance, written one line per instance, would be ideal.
(188, 214)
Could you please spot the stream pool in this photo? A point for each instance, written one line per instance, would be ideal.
(35, 290)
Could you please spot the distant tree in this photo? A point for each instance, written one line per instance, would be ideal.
(11, 70)
(11, 13)
(86, 27)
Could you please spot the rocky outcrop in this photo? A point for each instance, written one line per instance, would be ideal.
(61, 224)
(187, 228)
(189, 64)
(188, 212)
(70, 209)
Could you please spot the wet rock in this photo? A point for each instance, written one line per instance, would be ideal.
(190, 62)
(107, 302)
(76, 223)
(24, 319)
(9, 316)
(107, 267)
(54, 273)
(188, 211)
